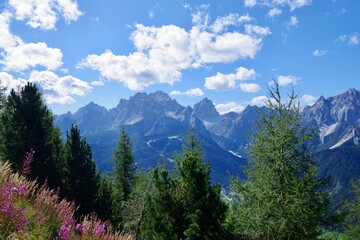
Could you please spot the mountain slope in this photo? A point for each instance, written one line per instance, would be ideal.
(158, 124)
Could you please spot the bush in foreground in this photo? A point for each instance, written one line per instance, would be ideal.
(29, 211)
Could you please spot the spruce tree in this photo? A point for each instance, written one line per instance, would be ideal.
(204, 210)
(83, 177)
(186, 206)
(282, 197)
(124, 173)
(352, 217)
(27, 123)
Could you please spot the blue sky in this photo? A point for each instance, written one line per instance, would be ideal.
(228, 51)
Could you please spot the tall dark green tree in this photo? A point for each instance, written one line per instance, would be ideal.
(187, 206)
(124, 166)
(104, 199)
(352, 210)
(124, 174)
(27, 123)
(83, 177)
(282, 197)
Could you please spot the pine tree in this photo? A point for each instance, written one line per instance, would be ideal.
(135, 208)
(83, 177)
(352, 210)
(282, 197)
(187, 206)
(27, 123)
(104, 200)
(204, 211)
(124, 173)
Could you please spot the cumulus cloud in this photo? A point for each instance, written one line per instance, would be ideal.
(249, 87)
(7, 39)
(259, 101)
(59, 90)
(228, 81)
(320, 53)
(273, 12)
(163, 52)
(257, 30)
(97, 83)
(286, 80)
(195, 92)
(350, 39)
(221, 23)
(224, 108)
(44, 13)
(8, 81)
(307, 100)
(24, 56)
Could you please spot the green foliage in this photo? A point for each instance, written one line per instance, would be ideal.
(282, 198)
(124, 174)
(27, 123)
(30, 211)
(83, 179)
(352, 208)
(186, 206)
(135, 208)
(104, 199)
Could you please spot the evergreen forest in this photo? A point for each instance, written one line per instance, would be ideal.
(51, 188)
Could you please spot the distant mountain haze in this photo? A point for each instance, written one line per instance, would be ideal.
(157, 125)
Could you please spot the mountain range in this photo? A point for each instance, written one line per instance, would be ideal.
(157, 125)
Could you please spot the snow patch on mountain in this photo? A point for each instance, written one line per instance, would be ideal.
(235, 154)
(347, 137)
(326, 130)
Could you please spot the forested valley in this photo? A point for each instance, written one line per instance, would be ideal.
(51, 188)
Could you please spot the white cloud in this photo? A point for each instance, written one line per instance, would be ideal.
(221, 23)
(7, 39)
(223, 108)
(163, 52)
(228, 81)
(274, 12)
(10, 82)
(350, 39)
(257, 30)
(97, 83)
(307, 100)
(43, 13)
(292, 22)
(250, 3)
(59, 90)
(286, 80)
(259, 101)
(319, 52)
(24, 56)
(292, 4)
(195, 92)
(151, 14)
(249, 87)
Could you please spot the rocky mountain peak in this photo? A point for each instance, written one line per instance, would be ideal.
(206, 111)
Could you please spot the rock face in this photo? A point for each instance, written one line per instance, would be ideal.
(158, 125)
(337, 119)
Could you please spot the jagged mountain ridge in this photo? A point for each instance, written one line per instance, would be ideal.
(158, 124)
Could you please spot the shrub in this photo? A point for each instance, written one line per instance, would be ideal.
(29, 211)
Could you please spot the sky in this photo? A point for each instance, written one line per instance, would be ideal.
(78, 51)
